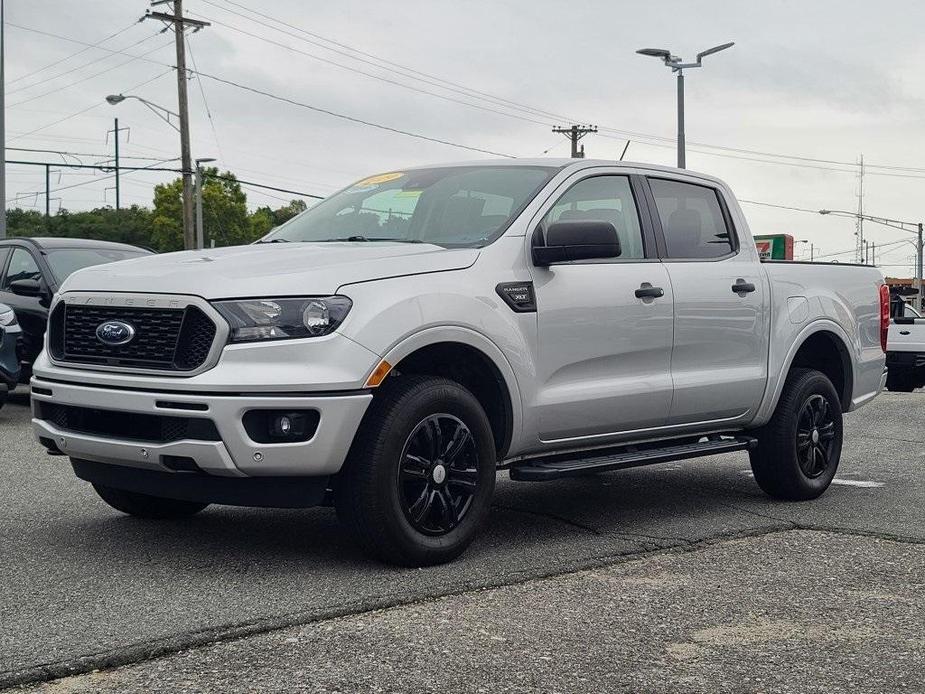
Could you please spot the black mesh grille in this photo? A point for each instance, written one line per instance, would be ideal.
(174, 339)
(126, 425)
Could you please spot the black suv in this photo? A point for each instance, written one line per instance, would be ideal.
(32, 269)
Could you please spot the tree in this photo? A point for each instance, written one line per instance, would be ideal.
(224, 212)
(225, 218)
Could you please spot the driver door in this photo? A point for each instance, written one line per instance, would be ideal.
(603, 352)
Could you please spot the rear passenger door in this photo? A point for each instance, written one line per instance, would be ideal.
(721, 304)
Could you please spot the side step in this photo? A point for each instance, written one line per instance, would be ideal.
(559, 466)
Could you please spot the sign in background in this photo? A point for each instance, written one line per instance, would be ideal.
(775, 246)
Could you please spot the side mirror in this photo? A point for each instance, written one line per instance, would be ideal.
(27, 288)
(576, 240)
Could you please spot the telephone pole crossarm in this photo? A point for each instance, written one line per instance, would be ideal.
(575, 133)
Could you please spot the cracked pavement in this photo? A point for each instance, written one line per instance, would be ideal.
(83, 588)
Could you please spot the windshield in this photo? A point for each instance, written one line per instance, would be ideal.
(452, 207)
(64, 261)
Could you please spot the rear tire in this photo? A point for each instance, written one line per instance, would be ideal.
(799, 449)
(420, 475)
(145, 506)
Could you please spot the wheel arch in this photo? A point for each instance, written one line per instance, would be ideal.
(475, 362)
(824, 346)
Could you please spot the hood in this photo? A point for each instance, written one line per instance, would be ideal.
(272, 269)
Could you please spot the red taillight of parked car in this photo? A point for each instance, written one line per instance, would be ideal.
(884, 315)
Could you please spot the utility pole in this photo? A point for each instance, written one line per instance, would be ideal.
(200, 233)
(2, 125)
(115, 132)
(575, 133)
(859, 223)
(47, 195)
(918, 272)
(179, 24)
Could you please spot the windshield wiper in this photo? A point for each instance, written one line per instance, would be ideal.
(274, 241)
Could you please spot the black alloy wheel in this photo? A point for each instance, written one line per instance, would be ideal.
(438, 474)
(815, 435)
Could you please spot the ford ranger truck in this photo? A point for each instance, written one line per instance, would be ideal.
(392, 348)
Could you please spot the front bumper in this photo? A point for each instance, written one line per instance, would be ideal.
(233, 455)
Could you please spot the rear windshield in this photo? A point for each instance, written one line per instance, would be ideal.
(454, 207)
(64, 261)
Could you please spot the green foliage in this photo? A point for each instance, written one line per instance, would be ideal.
(224, 216)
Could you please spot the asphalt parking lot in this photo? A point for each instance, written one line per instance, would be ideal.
(680, 577)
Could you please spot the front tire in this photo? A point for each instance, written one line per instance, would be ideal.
(420, 475)
(799, 449)
(145, 506)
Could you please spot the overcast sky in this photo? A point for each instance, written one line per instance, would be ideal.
(827, 80)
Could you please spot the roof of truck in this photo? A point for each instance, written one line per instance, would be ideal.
(563, 163)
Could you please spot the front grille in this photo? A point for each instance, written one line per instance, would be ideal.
(134, 426)
(172, 339)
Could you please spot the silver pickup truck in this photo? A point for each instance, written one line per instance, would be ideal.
(393, 347)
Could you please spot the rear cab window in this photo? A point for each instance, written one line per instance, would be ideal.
(694, 223)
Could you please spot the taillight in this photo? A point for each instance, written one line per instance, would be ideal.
(884, 315)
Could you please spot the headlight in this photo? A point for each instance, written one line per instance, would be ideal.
(7, 318)
(252, 320)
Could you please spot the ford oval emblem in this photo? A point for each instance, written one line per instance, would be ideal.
(114, 333)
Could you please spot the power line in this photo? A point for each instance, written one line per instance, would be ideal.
(352, 119)
(88, 77)
(76, 68)
(416, 74)
(88, 108)
(624, 133)
(205, 102)
(71, 56)
(364, 73)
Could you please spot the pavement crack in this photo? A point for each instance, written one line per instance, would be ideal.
(552, 516)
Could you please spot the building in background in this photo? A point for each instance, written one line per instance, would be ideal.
(775, 246)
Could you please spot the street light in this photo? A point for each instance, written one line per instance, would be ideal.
(200, 237)
(189, 231)
(677, 65)
(161, 112)
(894, 224)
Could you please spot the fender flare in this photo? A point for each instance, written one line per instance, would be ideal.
(471, 338)
(817, 326)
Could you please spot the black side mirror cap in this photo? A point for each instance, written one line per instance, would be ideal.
(576, 240)
(27, 288)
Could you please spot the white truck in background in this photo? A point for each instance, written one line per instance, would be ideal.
(393, 347)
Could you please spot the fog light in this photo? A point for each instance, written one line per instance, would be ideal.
(281, 426)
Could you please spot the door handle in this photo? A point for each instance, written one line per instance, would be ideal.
(743, 287)
(647, 291)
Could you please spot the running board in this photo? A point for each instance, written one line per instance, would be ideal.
(558, 467)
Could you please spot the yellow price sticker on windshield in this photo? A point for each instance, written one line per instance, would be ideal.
(376, 180)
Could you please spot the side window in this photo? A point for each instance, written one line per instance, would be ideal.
(22, 267)
(4, 254)
(604, 199)
(692, 220)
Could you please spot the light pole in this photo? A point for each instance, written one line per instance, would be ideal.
(200, 237)
(189, 232)
(163, 113)
(677, 65)
(894, 224)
